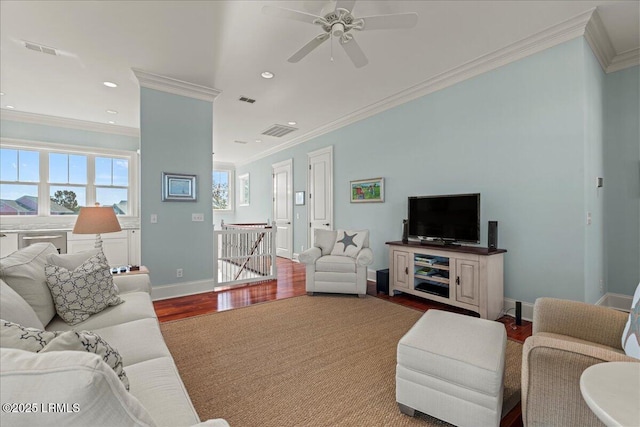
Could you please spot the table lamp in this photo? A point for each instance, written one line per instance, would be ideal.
(96, 220)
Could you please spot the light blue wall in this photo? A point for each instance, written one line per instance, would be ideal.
(622, 180)
(59, 135)
(517, 135)
(594, 250)
(176, 134)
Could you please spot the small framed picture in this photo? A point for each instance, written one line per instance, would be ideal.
(299, 198)
(367, 190)
(177, 187)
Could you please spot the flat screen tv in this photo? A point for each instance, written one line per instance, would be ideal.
(445, 218)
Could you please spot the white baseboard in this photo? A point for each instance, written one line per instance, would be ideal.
(296, 257)
(181, 289)
(617, 301)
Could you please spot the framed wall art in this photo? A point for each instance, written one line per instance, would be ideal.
(178, 187)
(367, 190)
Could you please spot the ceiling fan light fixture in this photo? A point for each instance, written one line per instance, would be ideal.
(267, 75)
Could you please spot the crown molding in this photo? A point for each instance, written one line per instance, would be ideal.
(174, 86)
(627, 59)
(42, 119)
(552, 36)
(599, 41)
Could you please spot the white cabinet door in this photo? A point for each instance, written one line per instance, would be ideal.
(401, 266)
(114, 245)
(467, 281)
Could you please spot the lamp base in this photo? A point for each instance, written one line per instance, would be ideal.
(98, 244)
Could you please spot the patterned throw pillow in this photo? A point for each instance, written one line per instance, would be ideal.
(631, 333)
(79, 293)
(13, 335)
(348, 242)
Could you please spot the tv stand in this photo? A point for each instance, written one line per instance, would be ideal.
(469, 277)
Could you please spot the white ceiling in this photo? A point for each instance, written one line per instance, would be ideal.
(227, 44)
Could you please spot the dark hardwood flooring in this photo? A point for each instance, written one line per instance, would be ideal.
(291, 283)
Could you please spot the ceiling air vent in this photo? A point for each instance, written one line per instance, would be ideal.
(279, 130)
(240, 142)
(245, 99)
(40, 48)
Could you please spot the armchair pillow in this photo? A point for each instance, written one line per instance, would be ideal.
(87, 290)
(23, 271)
(15, 309)
(324, 239)
(631, 333)
(349, 242)
(16, 336)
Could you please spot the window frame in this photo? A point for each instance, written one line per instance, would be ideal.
(44, 149)
(231, 172)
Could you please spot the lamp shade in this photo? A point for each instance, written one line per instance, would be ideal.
(96, 220)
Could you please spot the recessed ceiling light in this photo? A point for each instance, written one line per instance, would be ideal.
(109, 84)
(292, 123)
(11, 107)
(258, 140)
(1, 93)
(111, 122)
(112, 112)
(267, 75)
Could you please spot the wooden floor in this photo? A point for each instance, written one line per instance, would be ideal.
(291, 283)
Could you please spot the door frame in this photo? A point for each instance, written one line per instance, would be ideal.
(328, 185)
(289, 197)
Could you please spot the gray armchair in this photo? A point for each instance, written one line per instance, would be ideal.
(337, 262)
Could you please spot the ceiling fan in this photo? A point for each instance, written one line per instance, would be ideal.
(340, 23)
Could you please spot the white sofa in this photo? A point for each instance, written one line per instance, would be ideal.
(86, 390)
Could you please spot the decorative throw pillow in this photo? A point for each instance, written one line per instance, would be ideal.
(13, 335)
(15, 309)
(631, 333)
(71, 261)
(23, 271)
(324, 239)
(79, 293)
(348, 242)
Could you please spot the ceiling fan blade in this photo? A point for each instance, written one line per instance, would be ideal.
(390, 22)
(345, 4)
(307, 48)
(354, 52)
(281, 12)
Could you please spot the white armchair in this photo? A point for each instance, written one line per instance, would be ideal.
(337, 262)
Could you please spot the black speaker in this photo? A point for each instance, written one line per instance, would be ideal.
(405, 231)
(492, 238)
(518, 313)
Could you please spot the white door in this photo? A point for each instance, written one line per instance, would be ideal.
(283, 207)
(320, 189)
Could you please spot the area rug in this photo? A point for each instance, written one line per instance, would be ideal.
(304, 361)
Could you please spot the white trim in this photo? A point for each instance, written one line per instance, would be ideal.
(617, 301)
(41, 119)
(372, 276)
(174, 86)
(181, 289)
(296, 257)
(627, 59)
(599, 41)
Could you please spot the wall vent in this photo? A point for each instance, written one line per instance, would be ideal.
(245, 99)
(278, 130)
(40, 48)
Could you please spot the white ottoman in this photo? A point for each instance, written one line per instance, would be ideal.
(451, 367)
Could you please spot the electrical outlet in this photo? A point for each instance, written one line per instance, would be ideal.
(197, 217)
(179, 272)
(154, 218)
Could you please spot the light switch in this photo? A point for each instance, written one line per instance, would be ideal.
(154, 218)
(197, 217)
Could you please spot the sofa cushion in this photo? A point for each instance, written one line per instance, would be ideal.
(71, 261)
(16, 336)
(157, 385)
(23, 270)
(336, 264)
(137, 341)
(349, 242)
(84, 291)
(324, 239)
(631, 333)
(137, 305)
(15, 309)
(90, 390)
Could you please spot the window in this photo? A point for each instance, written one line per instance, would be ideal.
(244, 190)
(19, 177)
(222, 190)
(54, 181)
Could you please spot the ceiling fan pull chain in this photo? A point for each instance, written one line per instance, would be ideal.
(331, 35)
